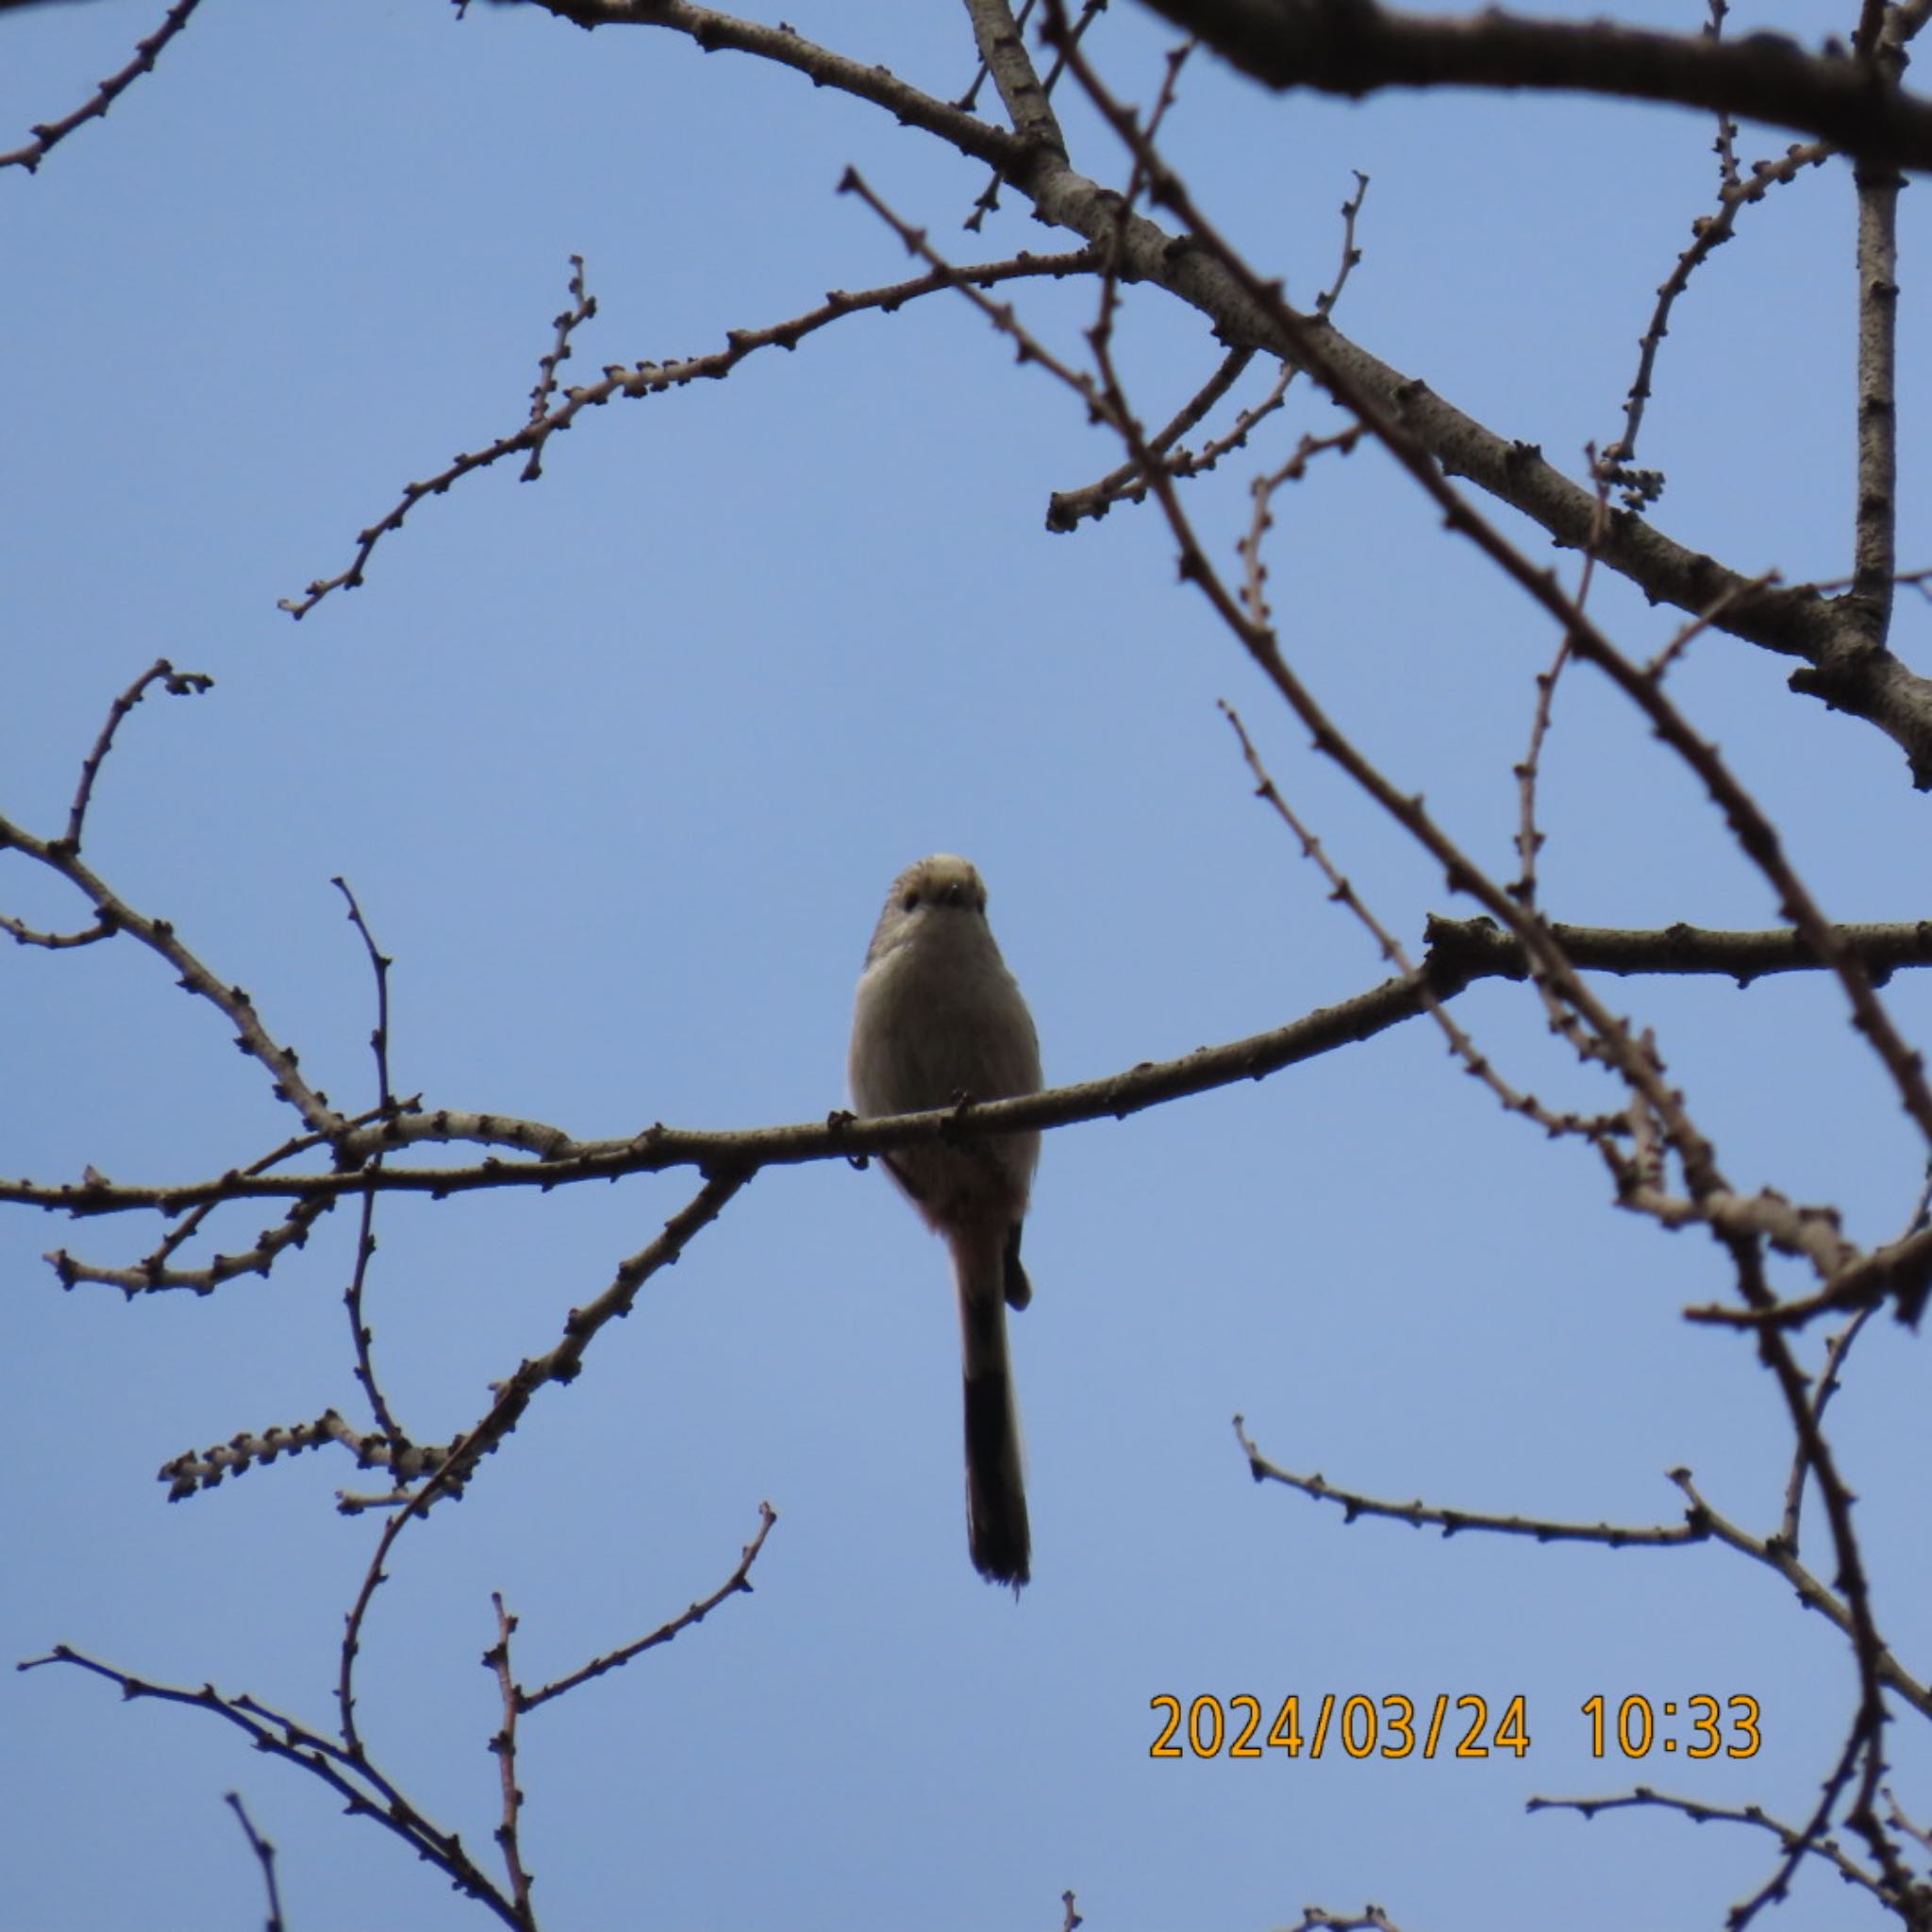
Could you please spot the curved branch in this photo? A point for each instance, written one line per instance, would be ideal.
(175, 683)
(1355, 47)
(715, 32)
(158, 936)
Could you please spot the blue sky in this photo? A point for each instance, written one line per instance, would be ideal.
(620, 765)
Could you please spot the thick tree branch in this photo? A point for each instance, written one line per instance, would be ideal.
(1481, 949)
(1355, 47)
(1003, 51)
(1874, 526)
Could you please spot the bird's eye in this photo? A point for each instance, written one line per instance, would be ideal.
(911, 902)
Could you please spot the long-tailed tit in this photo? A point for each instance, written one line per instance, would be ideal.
(938, 1018)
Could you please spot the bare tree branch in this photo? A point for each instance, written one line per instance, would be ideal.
(740, 1580)
(1875, 539)
(1462, 952)
(504, 1746)
(1844, 667)
(1355, 47)
(46, 134)
(365, 1789)
(265, 1855)
(1699, 1811)
(1641, 488)
(202, 1469)
(1003, 50)
(1420, 1515)
(1750, 828)
(362, 1341)
(1830, 1603)
(654, 378)
(158, 936)
(783, 45)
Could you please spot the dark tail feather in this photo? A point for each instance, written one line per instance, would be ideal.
(1019, 1290)
(996, 1527)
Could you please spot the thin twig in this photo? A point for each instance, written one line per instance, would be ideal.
(175, 683)
(583, 306)
(265, 1853)
(504, 1745)
(1700, 1811)
(1640, 489)
(152, 1274)
(1067, 508)
(47, 133)
(1420, 1515)
(620, 381)
(1835, 1352)
(740, 1580)
(361, 1338)
(1342, 892)
(1529, 836)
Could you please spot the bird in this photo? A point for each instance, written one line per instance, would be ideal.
(938, 1018)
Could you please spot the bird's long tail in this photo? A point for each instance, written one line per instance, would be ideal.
(996, 1524)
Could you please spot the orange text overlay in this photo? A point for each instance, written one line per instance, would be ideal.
(1443, 1727)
